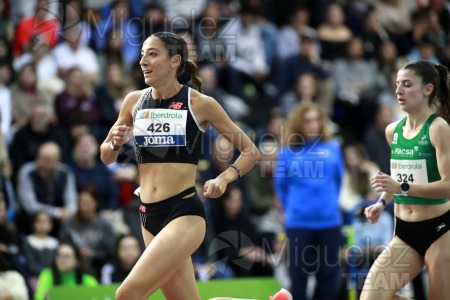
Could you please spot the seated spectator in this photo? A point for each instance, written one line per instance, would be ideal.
(126, 253)
(306, 89)
(78, 102)
(26, 92)
(47, 185)
(260, 179)
(72, 53)
(48, 81)
(39, 248)
(6, 185)
(112, 54)
(91, 173)
(129, 31)
(5, 99)
(375, 139)
(289, 43)
(333, 34)
(235, 107)
(9, 239)
(307, 60)
(356, 181)
(232, 222)
(38, 23)
(6, 25)
(38, 130)
(66, 270)
(89, 231)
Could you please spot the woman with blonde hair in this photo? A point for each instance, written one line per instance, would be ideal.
(307, 180)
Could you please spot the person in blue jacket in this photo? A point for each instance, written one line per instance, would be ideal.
(307, 179)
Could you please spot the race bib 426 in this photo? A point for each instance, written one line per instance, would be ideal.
(160, 128)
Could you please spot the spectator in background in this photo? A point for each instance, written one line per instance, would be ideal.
(212, 49)
(243, 35)
(38, 130)
(89, 231)
(375, 139)
(387, 62)
(409, 38)
(306, 89)
(126, 253)
(269, 32)
(77, 102)
(235, 107)
(6, 25)
(39, 247)
(155, 19)
(6, 185)
(289, 42)
(259, 180)
(9, 239)
(333, 34)
(26, 92)
(48, 82)
(394, 16)
(353, 75)
(356, 182)
(275, 127)
(436, 31)
(372, 33)
(112, 54)
(425, 49)
(91, 173)
(41, 58)
(308, 162)
(47, 185)
(118, 17)
(72, 53)
(306, 61)
(232, 221)
(356, 86)
(116, 86)
(66, 270)
(74, 20)
(40, 23)
(5, 98)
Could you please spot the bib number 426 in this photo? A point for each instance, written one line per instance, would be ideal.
(159, 127)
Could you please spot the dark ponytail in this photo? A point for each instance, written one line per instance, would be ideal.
(190, 68)
(176, 45)
(444, 94)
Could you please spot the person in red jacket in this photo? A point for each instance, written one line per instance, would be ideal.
(41, 23)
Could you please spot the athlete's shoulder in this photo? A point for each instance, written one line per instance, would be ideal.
(198, 98)
(439, 122)
(439, 129)
(390, 129)
(132, 97)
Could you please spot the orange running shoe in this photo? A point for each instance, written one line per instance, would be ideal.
(283, 294)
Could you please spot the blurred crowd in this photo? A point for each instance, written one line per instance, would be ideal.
(66, 66)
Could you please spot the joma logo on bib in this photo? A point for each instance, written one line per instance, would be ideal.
(158, 140)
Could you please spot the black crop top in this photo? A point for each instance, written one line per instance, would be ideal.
(166, 131)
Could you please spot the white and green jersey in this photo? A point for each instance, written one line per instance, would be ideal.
(414, 161)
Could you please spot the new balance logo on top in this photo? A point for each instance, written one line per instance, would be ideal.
(440, 227)
(176, 105)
